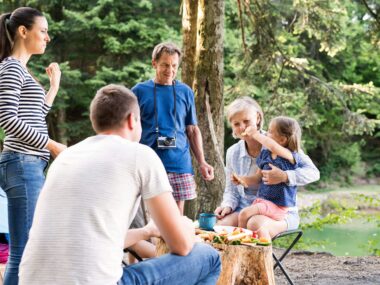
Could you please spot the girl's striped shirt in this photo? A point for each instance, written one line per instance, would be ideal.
(22, 110)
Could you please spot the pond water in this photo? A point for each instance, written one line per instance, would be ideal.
(345, 240)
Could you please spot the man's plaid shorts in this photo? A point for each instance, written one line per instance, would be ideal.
(183, 185)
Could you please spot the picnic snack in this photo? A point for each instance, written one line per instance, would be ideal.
(237, 237)
(205, 235)
(263, 241)
(238, 179)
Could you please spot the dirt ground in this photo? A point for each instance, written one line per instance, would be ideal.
(308, 268)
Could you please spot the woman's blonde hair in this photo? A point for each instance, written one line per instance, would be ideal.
(246, 104)
(290, 129)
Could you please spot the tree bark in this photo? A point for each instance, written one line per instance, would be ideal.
(61, 121)
(189, 35)
(207, 84)
(241, 264)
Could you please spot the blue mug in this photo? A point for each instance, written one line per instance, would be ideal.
(207, 221)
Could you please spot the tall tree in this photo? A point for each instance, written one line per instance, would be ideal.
(203, 71)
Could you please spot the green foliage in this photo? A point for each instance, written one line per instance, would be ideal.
(317, 61)
(345, 156)
(314, 61)
(332, 212)
(97, 43)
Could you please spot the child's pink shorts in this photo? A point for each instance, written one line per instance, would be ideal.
(270, 209)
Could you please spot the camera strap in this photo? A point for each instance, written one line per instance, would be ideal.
(175, 109)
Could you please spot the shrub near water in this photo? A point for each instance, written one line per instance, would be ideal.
(363, 207)
(343, 162)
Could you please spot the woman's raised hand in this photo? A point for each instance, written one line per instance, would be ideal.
(54, 73)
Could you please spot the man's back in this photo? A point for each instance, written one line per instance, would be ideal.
(85, 209)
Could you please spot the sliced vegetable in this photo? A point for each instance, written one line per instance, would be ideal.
(263, 243)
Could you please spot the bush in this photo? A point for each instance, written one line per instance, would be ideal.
(344, 162)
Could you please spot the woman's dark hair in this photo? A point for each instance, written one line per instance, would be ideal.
(9, 23)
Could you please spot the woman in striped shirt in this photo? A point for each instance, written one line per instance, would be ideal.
(23, 108)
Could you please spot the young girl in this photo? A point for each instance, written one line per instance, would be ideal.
(24, 105)
(241, 158)
(281, 146)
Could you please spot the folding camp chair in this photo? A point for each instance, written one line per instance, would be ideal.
(133, 253)
(139, 221)
(298, 234)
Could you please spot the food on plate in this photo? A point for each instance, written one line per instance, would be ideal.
(263, 241)
(235, 236)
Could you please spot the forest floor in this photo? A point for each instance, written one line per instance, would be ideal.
(322, 268)
(312, 268)
(307, 268)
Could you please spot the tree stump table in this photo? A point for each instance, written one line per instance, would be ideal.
(241, 264)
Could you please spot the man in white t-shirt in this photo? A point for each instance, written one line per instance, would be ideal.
(89, 199)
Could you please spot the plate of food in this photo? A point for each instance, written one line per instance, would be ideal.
(230, 230)
(228, 235)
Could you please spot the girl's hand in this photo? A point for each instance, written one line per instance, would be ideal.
(54, 73)
(221, 212)
(249, 131)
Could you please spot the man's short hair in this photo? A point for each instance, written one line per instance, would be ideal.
(168, 48)
(111, 106)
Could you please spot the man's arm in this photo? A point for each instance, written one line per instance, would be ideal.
(177, 231)
(195, 138)
(144, 233)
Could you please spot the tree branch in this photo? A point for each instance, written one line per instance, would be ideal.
(373, 14)
(242, 26)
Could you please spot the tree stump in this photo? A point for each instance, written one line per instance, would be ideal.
(241, 264)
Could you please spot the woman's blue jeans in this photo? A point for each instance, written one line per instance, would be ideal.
(201, 266)
(21, 177)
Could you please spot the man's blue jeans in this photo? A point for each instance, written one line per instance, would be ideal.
(201, 266)
(21, 177)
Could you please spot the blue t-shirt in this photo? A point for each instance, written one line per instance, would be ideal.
(176, 160)
(280, 194)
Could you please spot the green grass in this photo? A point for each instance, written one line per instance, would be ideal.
(352, 189)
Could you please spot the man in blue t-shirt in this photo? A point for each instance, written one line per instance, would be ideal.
(169, 123)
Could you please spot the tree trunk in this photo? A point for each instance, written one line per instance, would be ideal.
(61, 120)
(208, 88)
(189, 35)
(241, 264)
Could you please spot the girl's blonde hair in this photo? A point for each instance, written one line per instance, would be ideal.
(289, 128)
(246, 104)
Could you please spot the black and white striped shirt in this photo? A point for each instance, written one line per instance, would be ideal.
(22, 110)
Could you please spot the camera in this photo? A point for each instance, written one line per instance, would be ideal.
(166, 142)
